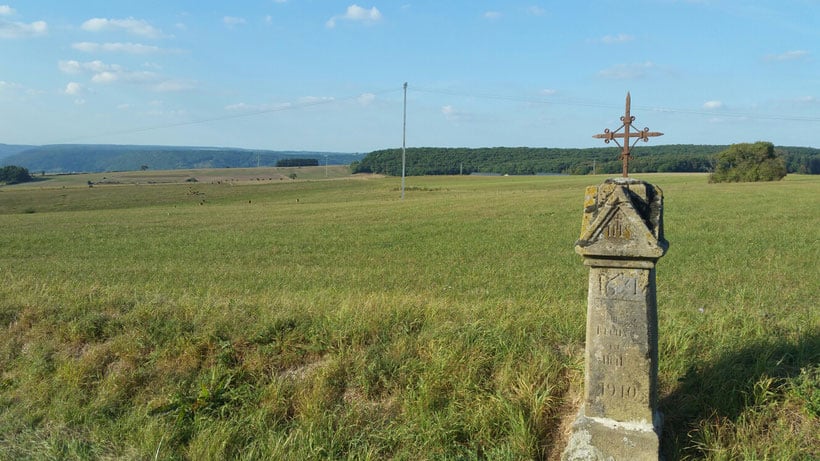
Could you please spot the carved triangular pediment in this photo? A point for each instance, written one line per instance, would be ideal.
(618, 230)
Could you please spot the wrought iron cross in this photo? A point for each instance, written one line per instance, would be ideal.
(644, 135)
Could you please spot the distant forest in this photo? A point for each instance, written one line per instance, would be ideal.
(95, 158)
(533, 160)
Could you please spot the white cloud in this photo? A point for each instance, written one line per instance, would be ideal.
(455, 115)
(313, 100)
(788, 56)
(128, 76)
(6, 10)
(547, 92)
(366, 99)
(301, 102)
(4, 85)
(116, 47)
(103, 73)
(620, 38)
(151, 80)
(69, 67)
(243, 107)
(450, 113)
(713, 105)
(240, 106)
(627, 71)
(130, 25)
(99, 66)
(807, 100)
(492, 15)
(232, 21)
(73, 88)
(536, 11)
(105, 77)
(22, 30)
(357, 14)
(75, 67)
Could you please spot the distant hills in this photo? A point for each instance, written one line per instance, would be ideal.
(11, 149)
(94, 158)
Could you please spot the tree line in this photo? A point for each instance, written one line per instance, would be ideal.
(291, 162)
(544, 160)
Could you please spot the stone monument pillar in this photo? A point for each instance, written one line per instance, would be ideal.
(621, 240)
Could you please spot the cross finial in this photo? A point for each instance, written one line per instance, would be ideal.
(627, 120)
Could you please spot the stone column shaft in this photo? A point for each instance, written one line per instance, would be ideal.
(621, 352)
(621, 241)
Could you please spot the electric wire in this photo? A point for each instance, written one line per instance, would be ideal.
(582, 103)
(284, 107)
(447, 92)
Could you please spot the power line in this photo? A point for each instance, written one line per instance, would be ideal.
(468, 94)
(283, 108)
(582, 103)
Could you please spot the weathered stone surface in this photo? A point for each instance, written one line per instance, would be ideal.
(621, 240)
(622, 219)
(621, 345)
(597, 439)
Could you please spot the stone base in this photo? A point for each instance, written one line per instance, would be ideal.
(603, 439)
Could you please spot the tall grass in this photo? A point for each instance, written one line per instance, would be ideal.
(331, 320)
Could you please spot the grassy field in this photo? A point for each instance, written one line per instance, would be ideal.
(245, 318)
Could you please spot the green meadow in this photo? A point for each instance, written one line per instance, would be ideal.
(247, 315)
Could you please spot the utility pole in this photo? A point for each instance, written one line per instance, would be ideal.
(404, 141)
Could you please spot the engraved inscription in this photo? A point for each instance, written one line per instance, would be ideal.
(610, 331)
(621, 285)
(611, 359)
(617, 390)
(617, 228)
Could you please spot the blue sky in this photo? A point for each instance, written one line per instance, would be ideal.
(327, 75)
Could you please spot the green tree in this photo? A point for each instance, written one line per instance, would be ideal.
(747, 162)
(291, 162)
(13, 174)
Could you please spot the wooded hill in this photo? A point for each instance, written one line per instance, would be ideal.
(93, 158)
(532, 160)
(11, 149)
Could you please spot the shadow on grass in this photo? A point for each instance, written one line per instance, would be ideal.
(725, 388)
